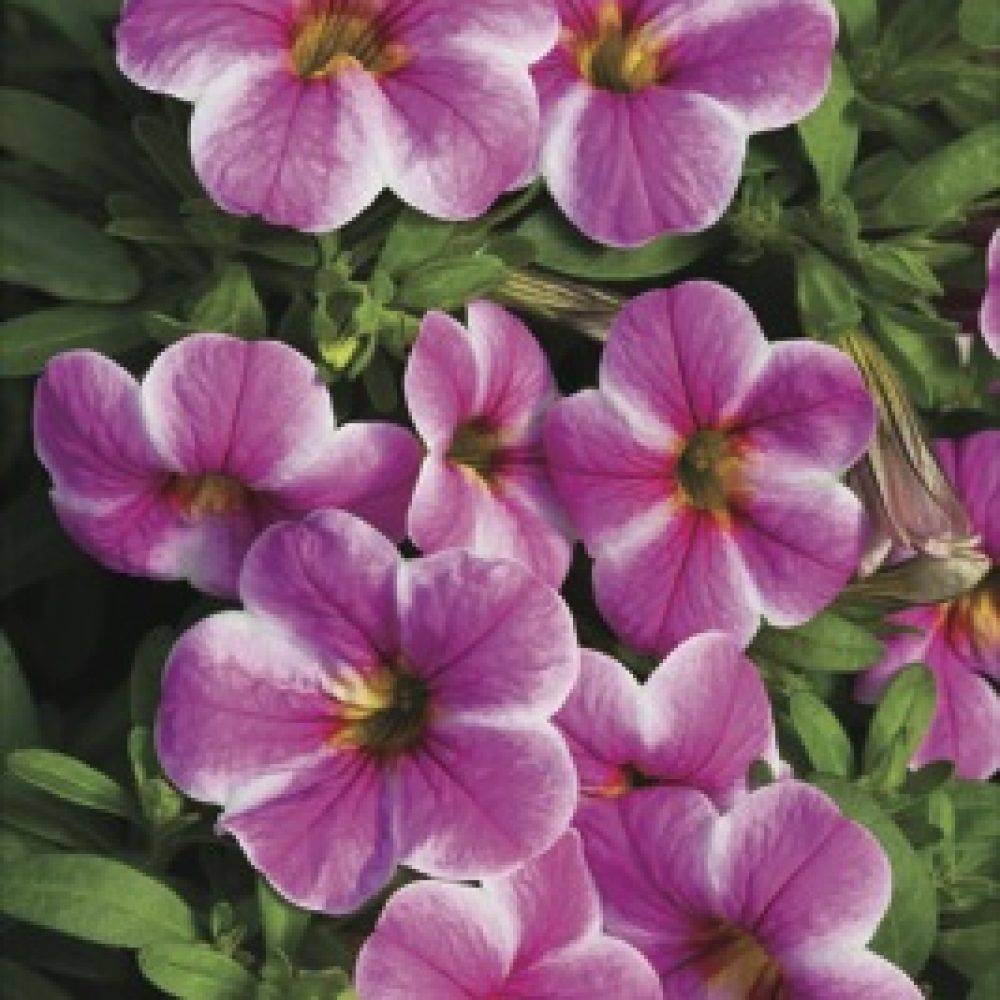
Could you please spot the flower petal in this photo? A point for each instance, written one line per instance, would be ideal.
(346, 805)
(367, 469)
(769, 60)
(489, 638)
(683, 357)
(179, 47)
(479, 800)
(331, 580)
(847, 975)
(458, 130)
(920, 627)
(800, 541)
(254, 410)
(796, 872)
(809, 406)
(240, 701)
(676, 163)
(676, 574)
(708, 717)
(434, 940)
(297, 153)
(977, 479)
(989, 315)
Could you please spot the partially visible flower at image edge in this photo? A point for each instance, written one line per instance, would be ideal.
(647, 106)
(989, 316)
(535, 933)
(364, 712)
(478, 398)
(305, 110)
(702, 473)
(174, 477)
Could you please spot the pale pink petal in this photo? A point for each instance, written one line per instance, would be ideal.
(809, 406)
(331, 579)
(799, 539)
(673, 575)
(435, 942)
(977, 479)
(488, 637)
(179, 47)
(676, 163)
(297, 153)
(708, 717)
(240, 700)
(848, 974)
(683, 357)
(477, 800)
(457, 130)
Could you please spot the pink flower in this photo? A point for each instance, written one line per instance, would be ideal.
(363, 712)
(534, 934)
(176, 477)
(647, 104)
(777, 898)
(701, 474)
(478, 398)
(989, 316)
(959, 641)
(306, 109)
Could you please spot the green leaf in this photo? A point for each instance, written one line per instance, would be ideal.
(284, 923)
(831, 139)
(826, 744)
(898, 727)
(62, 140)
(20, 983)
(971, 950)
(986, 987)
(71, 780)
(827, 644)
(906, 934)
(859, 20)
(96, 899)
(231, 305)
(450, 283)
(979, 23)
(413, 239)
(195, 972)
(32, 543)
(169, 152)
(43, 247)
(559, 247)
(49, 823)
(940, 187)
(918, 25)
(827, 300)
(147, 671)
(18, 719)
(28, 342)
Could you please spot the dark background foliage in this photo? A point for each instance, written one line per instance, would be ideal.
(874, 214)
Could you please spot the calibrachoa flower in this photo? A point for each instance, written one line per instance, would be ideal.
(363, 712)
(989, 316)
(701, 474)
(959, 641)
(776, 899)
(478, 397)
(534, 935)
(647, 104)
(306, 109)
(174, 478)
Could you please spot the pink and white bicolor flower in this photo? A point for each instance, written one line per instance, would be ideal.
(478, 398)
(701, 474)
(958, 641)
(175, 477)
(363, 712)
(304, 110)
(989, 315)
(647, 105)
(775, 899)
(535, 935)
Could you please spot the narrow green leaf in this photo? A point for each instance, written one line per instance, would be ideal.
(96, 899)
(986, 987)
(451, 283)
(830, 137)
(72, 780)
(827, 644)
(827, 299)
(18, 719)
(28, 342)
(413, 239)
(825, 742)
(971, 950)
(231, 305)
(43, 247)
(283, 922)
(48, 822)
(195, 972)
(559, 247)
(859, 20)
(979, 23)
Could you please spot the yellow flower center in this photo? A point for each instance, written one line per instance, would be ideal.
(476, 447)
(327, 38)
(735, 964)
(618, 56)
(974, 618)
(208, 495)
(384, 712)
(708, 470)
